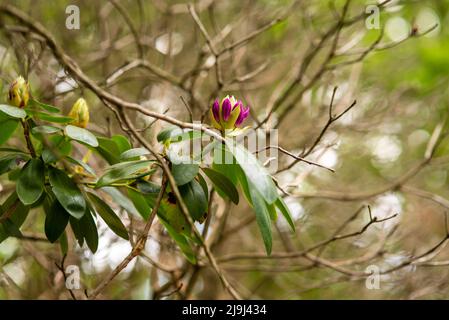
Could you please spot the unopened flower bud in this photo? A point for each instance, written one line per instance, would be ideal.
(229, 114)
(80, 113)
(19, 93)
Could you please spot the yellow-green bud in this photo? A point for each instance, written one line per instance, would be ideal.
(80, 113)
(19, 93)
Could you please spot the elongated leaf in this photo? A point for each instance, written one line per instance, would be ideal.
(75, 225)
(223, 184)
(10, 162)
(55, 221)
(167, 133)
(122, 143)
(45, 106)
(59, 147)
(184, 172)
(195, 200)
(89, 231)
(140, 203)
(18, 214)
(13, 112)
(109, 150)
(254, 171)
(51, 118)
(45, 130)
(82, 164)
(8, 126)
(109, 216)
(124, 171)
(131, 154)
(63, 243)
(148, 187)
(30, 185)
(120, 199)
(181, 241)
(280, 204)
(81, 135)
(67, 193)
(262, 218)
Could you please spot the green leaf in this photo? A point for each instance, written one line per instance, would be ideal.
(30, 185)
(45, 130)
(122, 143)
(63, 243)
(140, 203)
(10, 162)
(81, 135)
(18, 216)
(45, 106)
(11, 229)
(203, 185)
(167, 133)
(254, 171)
(109, 216)
(124, 171)
(181, 241)
(148, 187)
(195, 200)
(223, 184)
(55, 221)
(280, 204)
(13, 112)
(262, 218)
(8, 126)
(108, 149)
(89, 230)
(184, 172)
(50, 118)
(186, 135)
(75, 225)
(67, 193)
(82, 164)
(59, 147)
(7, 149)
(131, 154)
(121, 200)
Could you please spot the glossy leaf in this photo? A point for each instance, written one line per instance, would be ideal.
(195, 200)
(109, 216)
(56, 220)
(133, 153)
(8, 127)
(122, 143)
(13, 112)
(124, 171)
(223, 184)
(51, 118)
(89, 231)
(18, 215)
(81, 135)
(280, 204)
(254, 171)
(140, 203)
(67, 193)
(10, 162)
(45, 106)
(30, 185)
(45, 130)
(262, 218)
(184, 172)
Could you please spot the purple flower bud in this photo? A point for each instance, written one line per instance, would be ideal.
(226, 109)
(238, 103)
(216, 110)
(244, 113)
